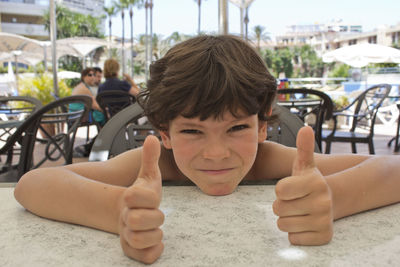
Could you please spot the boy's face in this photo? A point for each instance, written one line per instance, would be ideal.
(215, 154)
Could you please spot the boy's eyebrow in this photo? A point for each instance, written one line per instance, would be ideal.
(198, 124)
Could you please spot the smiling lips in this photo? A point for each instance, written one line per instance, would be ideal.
(216, 171)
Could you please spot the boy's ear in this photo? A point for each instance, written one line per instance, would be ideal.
(165, 139)
(262, 131)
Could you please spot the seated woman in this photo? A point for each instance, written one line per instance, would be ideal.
(83, 88)
(95, 114)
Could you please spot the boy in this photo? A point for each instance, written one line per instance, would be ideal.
(210, 97)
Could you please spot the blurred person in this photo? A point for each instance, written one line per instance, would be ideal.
(95, 114)
(111, 69)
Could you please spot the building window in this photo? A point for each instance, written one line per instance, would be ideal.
(372, 40)
(353, 42)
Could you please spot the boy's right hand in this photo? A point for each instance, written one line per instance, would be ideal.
(140, 217)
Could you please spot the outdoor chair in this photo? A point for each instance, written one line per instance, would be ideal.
(125, 131)
(313, 107)
(362, 111)
(113, 101)
(56, 141)
(13, 111)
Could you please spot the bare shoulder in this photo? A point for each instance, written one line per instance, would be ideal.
(81, 89)
(273, 161)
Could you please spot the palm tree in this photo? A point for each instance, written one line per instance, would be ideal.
(260, 35)
(110, 11)
(199, 16)
(121, 6)
(131, 4)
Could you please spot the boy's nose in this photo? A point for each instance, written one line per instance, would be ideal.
(216, 150)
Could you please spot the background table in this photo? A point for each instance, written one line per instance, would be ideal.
(200, 230)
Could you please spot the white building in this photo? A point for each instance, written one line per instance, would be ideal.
(325, 37)
(25, 17)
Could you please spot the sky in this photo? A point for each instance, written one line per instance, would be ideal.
(182, 15)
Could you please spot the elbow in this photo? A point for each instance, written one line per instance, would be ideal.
(24, 186)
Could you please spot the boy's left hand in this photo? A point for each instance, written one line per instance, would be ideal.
(303, 200)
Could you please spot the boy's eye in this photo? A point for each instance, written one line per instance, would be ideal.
(238, 127)
(190, 131)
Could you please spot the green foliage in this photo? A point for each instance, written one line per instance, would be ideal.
(71, 83)
(383, 65)
(340, 102)
(41, 87)
(281, 61)
(70, 63)
(72, 24)
(308, 62)
(340, 70)
(259, 34)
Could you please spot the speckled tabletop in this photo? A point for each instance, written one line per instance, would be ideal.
(199, 230)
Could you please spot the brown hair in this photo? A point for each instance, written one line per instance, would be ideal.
(85, 72)
(111, 68)
(206, 76)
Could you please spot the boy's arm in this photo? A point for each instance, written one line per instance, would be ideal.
(60, 194)
(373, 183)
(84, 193)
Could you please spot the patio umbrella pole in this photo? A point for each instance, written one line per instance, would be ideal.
(53, 38)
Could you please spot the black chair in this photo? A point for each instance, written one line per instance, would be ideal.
(113, 101)
(125, 131)
(13, 111)
(312, 106)
(56, 140)
(363, 112)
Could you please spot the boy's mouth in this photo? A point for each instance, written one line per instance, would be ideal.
(216, 171)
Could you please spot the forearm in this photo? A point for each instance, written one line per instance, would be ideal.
(62, 195)
(373, 183)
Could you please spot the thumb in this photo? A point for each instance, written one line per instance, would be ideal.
(305, 150)
(149, 169)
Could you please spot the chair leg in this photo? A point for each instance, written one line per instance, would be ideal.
(87, 133)
(353, 148)
(327, 147)
(371, 147)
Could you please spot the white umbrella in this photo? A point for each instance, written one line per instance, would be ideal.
(361, 55)
(68, 75)
(12, 42)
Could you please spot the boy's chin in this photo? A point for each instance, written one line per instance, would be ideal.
(218, 189)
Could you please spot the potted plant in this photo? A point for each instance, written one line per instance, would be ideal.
(41, 87)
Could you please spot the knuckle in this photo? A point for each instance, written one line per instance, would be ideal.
(149, 255)
(162, 217)
(276, 207)
(134, 220)
(137, 240)
(279, 189)
(282, 224)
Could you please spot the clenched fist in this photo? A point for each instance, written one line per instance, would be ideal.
(303, 200)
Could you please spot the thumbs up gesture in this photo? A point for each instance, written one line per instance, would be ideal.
(140, 217)
(303, 200)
